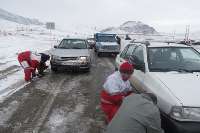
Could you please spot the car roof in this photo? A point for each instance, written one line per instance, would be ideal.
(159, 44)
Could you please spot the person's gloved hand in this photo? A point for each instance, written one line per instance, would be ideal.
(46, 67)
(39, 75)
(33, 75)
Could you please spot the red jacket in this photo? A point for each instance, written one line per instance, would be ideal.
(115, 89)
(106, 98)
(111, 103)
(26, 56)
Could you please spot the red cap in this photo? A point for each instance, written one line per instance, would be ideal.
(126, 67)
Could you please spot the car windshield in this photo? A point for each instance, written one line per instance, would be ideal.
(106, 39)
(73, 44)
(173, 59)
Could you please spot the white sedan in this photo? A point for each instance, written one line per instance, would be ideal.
(172, 73)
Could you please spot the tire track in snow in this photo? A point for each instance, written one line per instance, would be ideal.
(42, 116)
(65, 114)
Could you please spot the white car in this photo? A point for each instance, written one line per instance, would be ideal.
(172, 73)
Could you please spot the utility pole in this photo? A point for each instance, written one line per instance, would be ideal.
(187, 33)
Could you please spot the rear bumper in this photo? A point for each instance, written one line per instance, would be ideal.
(104, 51)
(174, 126)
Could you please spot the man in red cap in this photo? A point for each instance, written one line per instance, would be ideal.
(116, 87)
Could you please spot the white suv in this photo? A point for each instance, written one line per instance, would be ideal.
(172, 73)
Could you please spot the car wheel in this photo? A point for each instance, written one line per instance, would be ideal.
(88, 69)
(116, 55)
(54, 69)
(99, 54)
(116, 69)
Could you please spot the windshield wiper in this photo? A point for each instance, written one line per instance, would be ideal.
(63, 48)
(76, 48)
(159, 69)
(195, 70)
(182, 70)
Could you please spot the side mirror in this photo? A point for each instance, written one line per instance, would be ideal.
(140, 66)
(55, 46)
(137, 63)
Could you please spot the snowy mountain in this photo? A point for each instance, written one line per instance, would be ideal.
(131, 27)
(18, 19)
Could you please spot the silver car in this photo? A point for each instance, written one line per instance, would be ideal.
(71, 54)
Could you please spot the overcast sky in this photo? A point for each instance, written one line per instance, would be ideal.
(164, 15)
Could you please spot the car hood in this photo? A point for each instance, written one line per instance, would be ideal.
(70, 52)
(184, 86)
(108, 43)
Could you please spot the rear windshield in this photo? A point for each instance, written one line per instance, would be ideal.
(106, 39)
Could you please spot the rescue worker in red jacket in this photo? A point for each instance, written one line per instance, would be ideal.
(31, 61)
(116, 87)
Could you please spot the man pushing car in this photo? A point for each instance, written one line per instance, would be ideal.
(116, 87)
(31, 61)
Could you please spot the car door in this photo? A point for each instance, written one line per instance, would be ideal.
(137, 79)
(124, 56)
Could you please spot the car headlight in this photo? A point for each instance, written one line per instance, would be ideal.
(185, 113)
(55, 57)
(83, 59)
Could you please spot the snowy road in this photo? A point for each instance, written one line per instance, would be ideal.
(58, 102)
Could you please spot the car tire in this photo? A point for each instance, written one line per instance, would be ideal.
(54, 69)
(99, 54)
(116, 55)
(87, 70)
(116, 69)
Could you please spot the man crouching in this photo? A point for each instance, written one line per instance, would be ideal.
(116, 87)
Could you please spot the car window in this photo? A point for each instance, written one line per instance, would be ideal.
(138, 52)
(129, 51)
(173, 59)
(62, 43)
(188, 54)
(122, 55)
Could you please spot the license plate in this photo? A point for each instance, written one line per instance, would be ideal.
(68, 63)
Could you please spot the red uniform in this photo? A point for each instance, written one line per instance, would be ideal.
(115, 89)
(111, 103)
(29, 62)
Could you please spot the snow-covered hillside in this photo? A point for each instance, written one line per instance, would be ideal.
(18, 19)
(131, 27)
